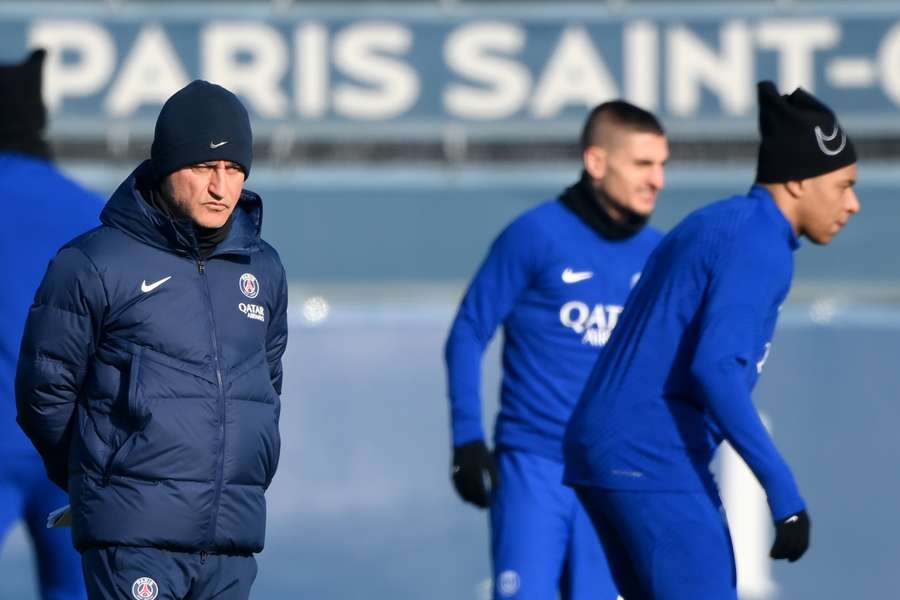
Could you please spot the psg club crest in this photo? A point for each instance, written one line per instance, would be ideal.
(144, 588)
(249, 285)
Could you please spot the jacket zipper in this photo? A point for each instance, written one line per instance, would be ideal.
(220, 461)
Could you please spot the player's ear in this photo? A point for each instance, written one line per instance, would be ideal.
(795, 188)
(594, 158)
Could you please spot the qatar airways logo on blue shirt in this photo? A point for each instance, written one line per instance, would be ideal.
(594, 325)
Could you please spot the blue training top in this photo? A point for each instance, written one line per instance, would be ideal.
(43, 210)
(557, 286)
(676, 376)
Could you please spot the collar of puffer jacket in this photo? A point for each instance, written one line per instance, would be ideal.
(127, 211)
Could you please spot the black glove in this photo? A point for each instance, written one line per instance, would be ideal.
(791, 537)
(474, 475)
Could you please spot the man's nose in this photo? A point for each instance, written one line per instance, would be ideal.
(217, 181)
(853, 205)
(658, 177)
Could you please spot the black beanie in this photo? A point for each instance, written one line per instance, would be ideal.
(801, 137)
(22, 112)
(201, 122)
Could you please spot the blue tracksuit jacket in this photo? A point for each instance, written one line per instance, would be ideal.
(43, 209)
(676, 376)
(558, 288)
(149, 379)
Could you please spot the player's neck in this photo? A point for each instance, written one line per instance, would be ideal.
(584, 200)
(786, 203)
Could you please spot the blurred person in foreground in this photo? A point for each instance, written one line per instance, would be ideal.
(676, 376)
(556, 278)
(43, 209)
(150, 369)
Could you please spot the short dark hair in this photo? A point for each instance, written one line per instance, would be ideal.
(618, 113)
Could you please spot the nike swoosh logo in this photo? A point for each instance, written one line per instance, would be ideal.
(212, 145)
(821, 138)
(145, 287)
(570, 276)
(792, 519)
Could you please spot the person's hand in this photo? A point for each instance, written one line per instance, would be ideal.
(474, 474)
(791, 537)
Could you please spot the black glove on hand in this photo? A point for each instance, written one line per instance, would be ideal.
(474, 475)
(791, 537)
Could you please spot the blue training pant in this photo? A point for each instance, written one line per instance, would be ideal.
(121, 572)
(664, 545)
(542, 540)
(26, 493)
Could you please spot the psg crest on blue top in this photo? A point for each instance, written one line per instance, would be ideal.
(249, 285)
(144, 588)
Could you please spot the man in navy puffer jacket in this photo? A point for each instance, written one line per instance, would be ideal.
(150, 369)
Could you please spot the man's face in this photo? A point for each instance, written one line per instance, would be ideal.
(633, 170)
(827, 203)
(205, 192)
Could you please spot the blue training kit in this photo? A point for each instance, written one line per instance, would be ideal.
(664, 545)
(26, 493)
(676, 376)
(43, 209)
(674, 381)
(557, 286)
(542, 539)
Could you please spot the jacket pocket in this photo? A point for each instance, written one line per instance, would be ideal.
(138, 417)
(252, 436)
(251, 381)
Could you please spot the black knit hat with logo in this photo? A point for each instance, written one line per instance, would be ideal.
(201, 122)
(23, 116)
(801, 137)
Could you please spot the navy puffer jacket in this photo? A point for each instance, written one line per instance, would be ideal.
(149, 379)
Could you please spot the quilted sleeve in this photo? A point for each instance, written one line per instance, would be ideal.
(60, 337)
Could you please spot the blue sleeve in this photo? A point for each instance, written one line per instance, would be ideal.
(502, 277)
(738, 300)
(60, 337)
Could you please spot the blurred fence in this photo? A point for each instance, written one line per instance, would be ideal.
(434, 223)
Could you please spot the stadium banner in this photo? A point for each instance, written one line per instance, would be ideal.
(499, 71)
